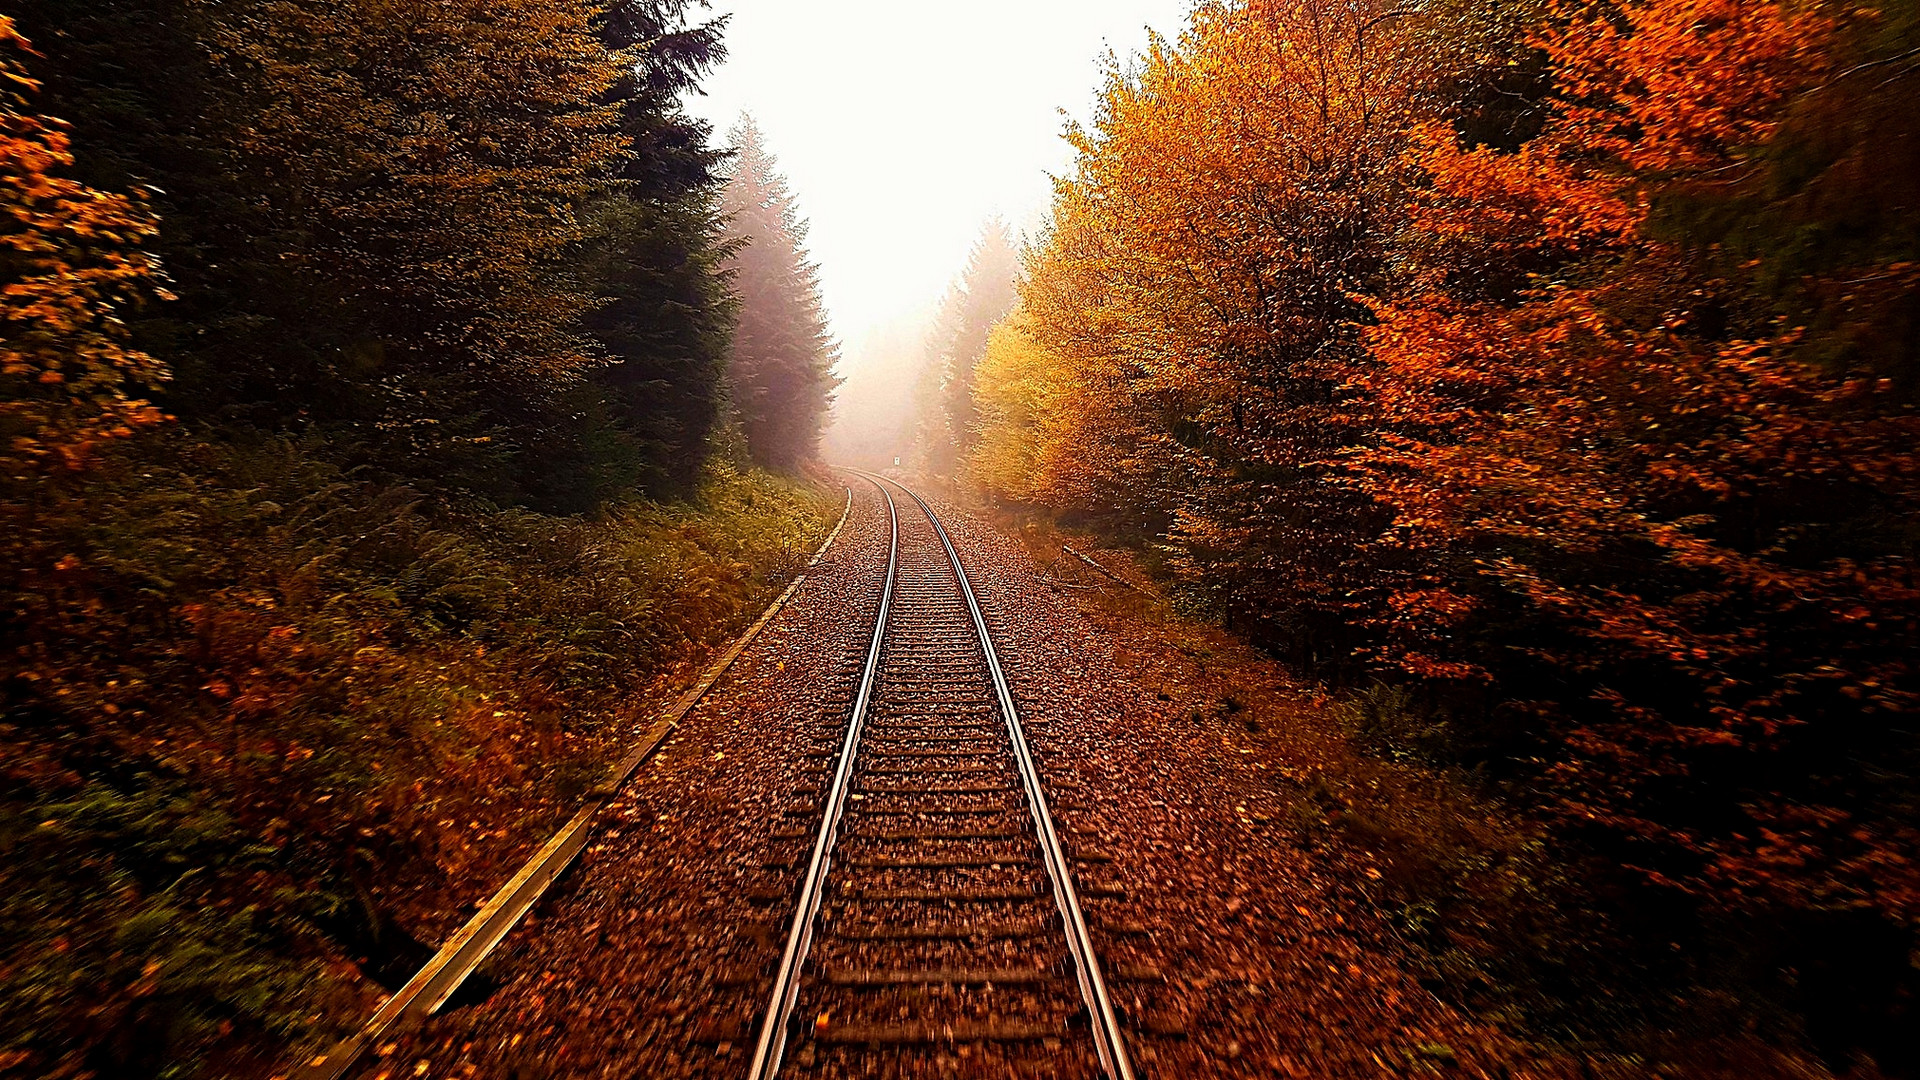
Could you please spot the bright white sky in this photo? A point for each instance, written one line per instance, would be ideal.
(904, 124)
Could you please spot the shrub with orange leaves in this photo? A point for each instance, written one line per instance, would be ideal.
(70, 263)
(266, 726)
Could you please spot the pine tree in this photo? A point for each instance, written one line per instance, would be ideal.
(984, 294)
(781, 369)
(245, 339)
(374, 215)
(667, 319)
(436, 159)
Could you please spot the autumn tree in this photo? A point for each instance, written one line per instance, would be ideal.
(73, 265)
(1019, 392)
(1055, 433)
(1595, 429)
(1565, 382)
(1235, 194)
(978, 299)
(780, 372)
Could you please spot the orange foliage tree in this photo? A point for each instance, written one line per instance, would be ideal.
(1232, 197)
(71, 262)
(1581, 432)
(1591, 417)
(1044, 436)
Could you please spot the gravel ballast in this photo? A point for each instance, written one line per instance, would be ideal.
(1231, 950)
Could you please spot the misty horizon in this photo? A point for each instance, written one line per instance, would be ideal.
(896, 186)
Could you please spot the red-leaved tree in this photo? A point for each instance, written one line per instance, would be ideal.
(1632, 507)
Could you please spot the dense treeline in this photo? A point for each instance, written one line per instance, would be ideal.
(347, 352)
(946, 424)
(482, 246)
(1552, 365)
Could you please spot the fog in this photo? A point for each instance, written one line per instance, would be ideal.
(903, 127)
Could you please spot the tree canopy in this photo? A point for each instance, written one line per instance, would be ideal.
(470, 245)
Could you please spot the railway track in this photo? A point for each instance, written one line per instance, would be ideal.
(937, 921)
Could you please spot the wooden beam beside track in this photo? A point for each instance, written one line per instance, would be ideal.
(434, 983)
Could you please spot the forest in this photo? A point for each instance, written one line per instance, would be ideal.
(1542, 377)
(390, 396)
(397, 397)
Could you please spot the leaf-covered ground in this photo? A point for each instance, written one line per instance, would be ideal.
(1355, 899)
(1254, 879)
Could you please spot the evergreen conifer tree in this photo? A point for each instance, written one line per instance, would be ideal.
(985, 293)
(666, 319)
(781, 369)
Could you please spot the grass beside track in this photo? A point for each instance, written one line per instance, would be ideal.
(270, 729)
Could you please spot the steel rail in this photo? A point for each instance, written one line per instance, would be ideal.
(772, 1042)
(1105, 1023)
(442, 975)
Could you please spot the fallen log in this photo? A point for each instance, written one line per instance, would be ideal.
(1101, 569)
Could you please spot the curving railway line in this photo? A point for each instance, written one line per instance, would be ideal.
(937, 910)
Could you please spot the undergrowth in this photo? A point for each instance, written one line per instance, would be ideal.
(1532, 927)
(1506, 918)
(268, 725)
